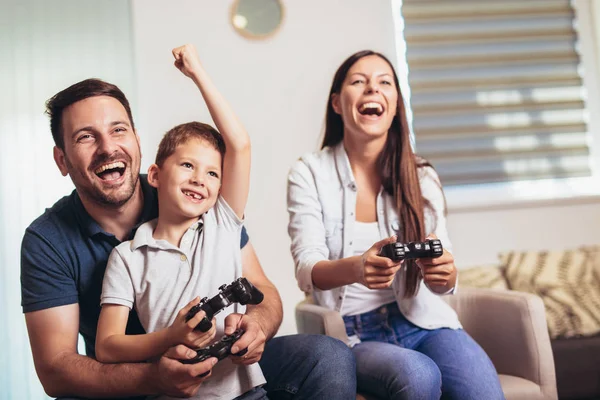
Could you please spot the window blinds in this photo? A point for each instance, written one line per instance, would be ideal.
(496, 92)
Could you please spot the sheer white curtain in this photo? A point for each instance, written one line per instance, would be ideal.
(45, 46)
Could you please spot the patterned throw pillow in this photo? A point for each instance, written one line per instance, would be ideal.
(484, 276)
(567, 281)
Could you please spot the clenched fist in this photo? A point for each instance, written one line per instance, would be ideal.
(187, 60)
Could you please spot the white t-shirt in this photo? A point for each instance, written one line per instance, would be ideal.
(159, 279)
(359, 298)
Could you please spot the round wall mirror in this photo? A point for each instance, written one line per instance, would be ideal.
(257, 19)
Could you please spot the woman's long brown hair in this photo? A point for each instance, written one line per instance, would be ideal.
(398, 166)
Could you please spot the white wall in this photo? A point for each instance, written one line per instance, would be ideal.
(478, 236)
(278, 87)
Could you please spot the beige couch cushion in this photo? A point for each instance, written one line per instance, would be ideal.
(516, 388)
(567, 281)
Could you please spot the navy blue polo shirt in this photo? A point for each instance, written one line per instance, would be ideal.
(63, 258)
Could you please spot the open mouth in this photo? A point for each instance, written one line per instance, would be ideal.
(193, 195)
(371, 108)
(110, 172)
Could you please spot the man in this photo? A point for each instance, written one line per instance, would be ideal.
(64, 254)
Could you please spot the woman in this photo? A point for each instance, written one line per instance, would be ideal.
(350, 199)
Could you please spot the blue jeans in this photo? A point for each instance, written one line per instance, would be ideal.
(308, 367)
(398, 360)
(258, 393)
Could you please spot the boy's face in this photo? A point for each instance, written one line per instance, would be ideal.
(188, 182)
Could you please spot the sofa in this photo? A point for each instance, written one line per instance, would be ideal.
(510, 326)
(568, 282)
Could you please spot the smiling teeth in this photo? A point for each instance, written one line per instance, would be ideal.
(376, 106)
(114, 165)
(194, 195)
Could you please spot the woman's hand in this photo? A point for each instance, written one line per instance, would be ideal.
(439, 274)
(182, 331)
(375, 271)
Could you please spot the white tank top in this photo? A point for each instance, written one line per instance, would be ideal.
(360, 299)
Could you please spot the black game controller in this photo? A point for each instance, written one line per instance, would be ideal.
(239, 291)
(219, 349)
(399, 251)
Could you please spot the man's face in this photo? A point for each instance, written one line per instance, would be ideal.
(102, 151)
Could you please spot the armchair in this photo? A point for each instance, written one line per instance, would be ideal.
(510, 326)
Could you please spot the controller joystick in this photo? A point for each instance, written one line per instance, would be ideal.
(219, 349)
(239, 291)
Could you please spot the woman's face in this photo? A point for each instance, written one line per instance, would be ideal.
(368, 98)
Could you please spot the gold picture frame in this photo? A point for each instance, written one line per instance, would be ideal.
(257, 19)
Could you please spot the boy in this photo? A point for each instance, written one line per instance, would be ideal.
(190, 250)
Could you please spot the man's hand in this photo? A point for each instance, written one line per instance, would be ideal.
(173, 378)
(439, 274)
(253, 339)
(375, 271)
(187, 60)
(182, 331)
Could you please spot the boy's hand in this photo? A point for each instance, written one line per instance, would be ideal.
(187, 60)
(253, 339)
(182, 331)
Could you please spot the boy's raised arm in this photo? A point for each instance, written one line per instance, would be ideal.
(236, 165)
